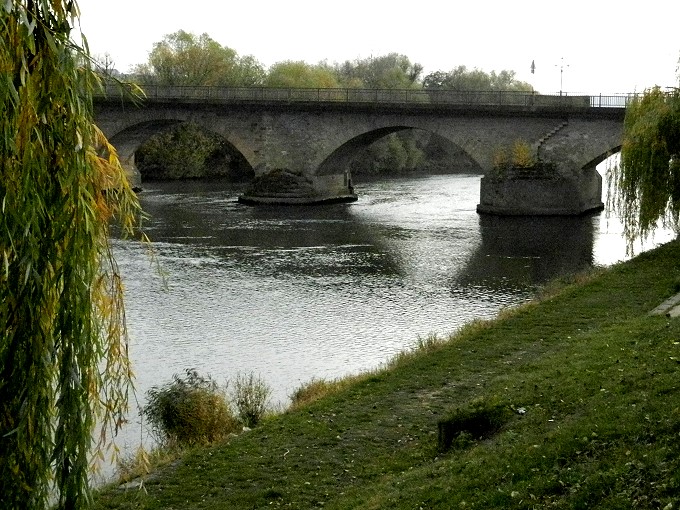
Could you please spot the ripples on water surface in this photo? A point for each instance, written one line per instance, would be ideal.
(295, 293)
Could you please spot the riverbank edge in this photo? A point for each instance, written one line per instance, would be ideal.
(592, 379)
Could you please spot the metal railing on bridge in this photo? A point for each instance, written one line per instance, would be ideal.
(413, 97)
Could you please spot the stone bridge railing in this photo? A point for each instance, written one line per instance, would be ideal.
(412, 98)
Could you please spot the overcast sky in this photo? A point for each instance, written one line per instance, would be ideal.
(595, 46)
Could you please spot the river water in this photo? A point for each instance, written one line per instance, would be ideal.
(295, 293)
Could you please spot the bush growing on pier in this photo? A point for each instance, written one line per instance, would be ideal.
(518, 156)
(189, 410)
(519, 162)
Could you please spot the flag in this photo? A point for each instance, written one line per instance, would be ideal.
(533, 67)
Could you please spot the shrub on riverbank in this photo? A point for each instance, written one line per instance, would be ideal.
(251, 398)
(189, 410)
(315, 389)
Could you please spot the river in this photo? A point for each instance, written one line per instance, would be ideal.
(295, 293)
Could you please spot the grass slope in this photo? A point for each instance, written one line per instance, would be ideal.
(592, 380)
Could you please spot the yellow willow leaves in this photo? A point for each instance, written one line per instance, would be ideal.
(64, 363)
(644, 188)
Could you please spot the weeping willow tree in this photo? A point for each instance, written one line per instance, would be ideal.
(63, 344)
(645, 185)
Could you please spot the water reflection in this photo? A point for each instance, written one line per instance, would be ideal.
(294, 241)
(521, 252)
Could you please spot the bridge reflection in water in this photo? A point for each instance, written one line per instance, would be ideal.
(520, 252)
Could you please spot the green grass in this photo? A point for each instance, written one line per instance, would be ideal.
(597, 378)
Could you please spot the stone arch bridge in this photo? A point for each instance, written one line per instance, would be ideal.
(315, 134)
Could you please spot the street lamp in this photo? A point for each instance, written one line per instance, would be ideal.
(562, 66)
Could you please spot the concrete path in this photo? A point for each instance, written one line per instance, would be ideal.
(669, 308)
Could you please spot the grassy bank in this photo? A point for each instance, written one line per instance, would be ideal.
(590, 388)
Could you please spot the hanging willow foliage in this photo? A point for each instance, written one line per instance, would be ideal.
(644, 188)
(63, 343)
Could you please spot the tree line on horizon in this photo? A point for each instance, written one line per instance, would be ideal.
(186, 59)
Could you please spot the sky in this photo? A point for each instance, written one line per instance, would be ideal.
(578, 46)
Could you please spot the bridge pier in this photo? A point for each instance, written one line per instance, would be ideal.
(284, 187)
(133, 175)
(556, 196)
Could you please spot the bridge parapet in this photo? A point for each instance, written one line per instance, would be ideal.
(407, 98)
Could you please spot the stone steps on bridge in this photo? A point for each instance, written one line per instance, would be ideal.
(552, 133)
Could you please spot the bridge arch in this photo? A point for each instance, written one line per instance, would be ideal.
(603, 157)
(128, 128)
(341, 159)
(131, 138)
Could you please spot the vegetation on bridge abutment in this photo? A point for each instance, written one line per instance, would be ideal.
(572, 401)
